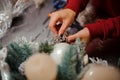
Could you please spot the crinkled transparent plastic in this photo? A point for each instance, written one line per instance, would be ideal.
(8, 11)
(4, 67)
(5, 16)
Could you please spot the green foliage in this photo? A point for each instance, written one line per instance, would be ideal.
(0, 45)
(66, 70)
(0, 76)
(17, 76)
(17, 54)
(45, 47)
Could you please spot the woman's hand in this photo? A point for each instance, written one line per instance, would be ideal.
(83, 34)
(65, 16)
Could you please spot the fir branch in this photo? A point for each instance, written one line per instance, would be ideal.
(17, 76)
(17, 54)
(1, 45)
(66, 70)
(45, 47)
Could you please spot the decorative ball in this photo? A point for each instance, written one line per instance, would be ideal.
(100, 72)
(40, 67)
(63, 55)
(59, 51)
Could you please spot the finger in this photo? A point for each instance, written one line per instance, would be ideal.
(64, 26)
(71, 38)
(49, 14)
(52, 23)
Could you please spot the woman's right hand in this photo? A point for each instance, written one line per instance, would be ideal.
(65, 16)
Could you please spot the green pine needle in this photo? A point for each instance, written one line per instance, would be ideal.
(45, 47)
(17, 54)
(66, 70)
(17, 76)
(1, 45)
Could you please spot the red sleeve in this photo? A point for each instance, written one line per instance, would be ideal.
(76, 5)
(104, 29)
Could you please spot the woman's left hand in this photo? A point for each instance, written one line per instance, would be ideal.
(83, 34)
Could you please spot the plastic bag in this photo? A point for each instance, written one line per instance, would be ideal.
(8, 11)
(5, 16)
(20, 6)
(4, 67)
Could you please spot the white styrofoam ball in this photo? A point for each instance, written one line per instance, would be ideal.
(40, 67)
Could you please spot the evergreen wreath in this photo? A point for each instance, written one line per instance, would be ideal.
(71, 65)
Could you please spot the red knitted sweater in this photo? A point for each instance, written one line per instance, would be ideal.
(105, 28)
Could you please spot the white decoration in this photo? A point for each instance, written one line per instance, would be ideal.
(99, 61)
(85, 59)
(3, 54)
(4, 67)
(59, 50)
(23, 40)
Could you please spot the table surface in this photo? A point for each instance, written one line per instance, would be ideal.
(30, 25)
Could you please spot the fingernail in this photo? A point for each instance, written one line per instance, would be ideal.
(49, 15)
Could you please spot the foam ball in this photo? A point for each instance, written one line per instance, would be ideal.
(40, 67)
(100, 72)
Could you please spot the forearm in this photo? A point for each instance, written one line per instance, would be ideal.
(104, 29)
(76, 5)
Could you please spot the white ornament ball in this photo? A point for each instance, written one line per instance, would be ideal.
(100, 72)
(59, 50)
